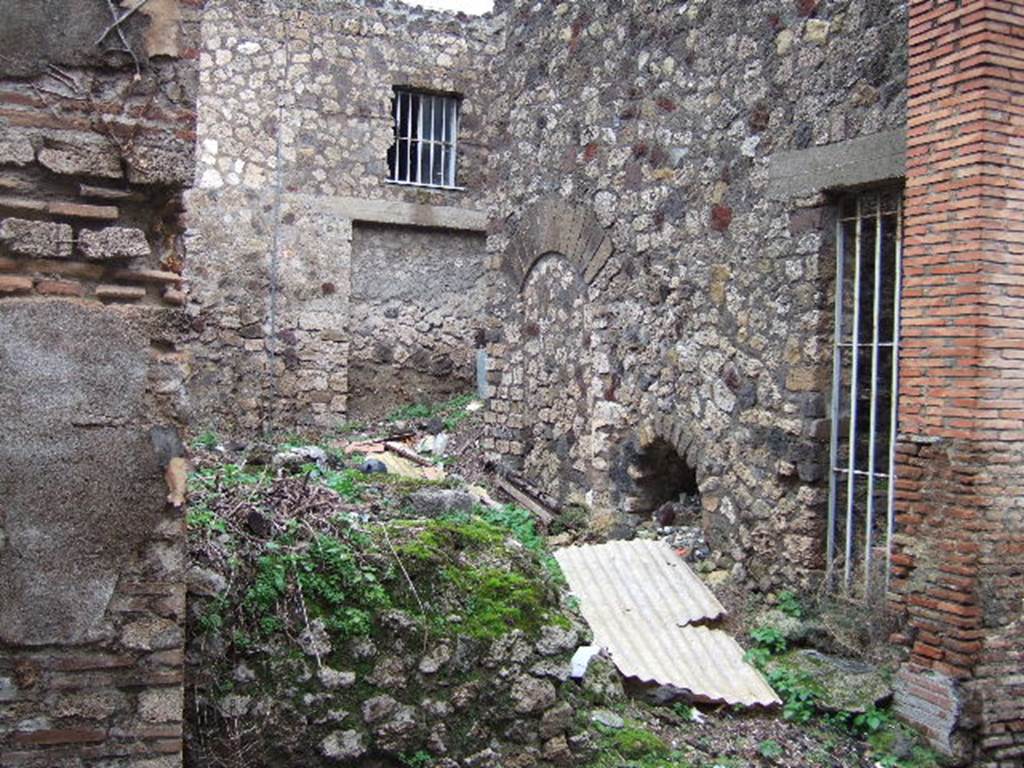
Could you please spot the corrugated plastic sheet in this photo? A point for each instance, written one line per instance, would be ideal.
(644, 605)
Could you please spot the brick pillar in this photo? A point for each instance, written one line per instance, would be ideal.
(959, 556)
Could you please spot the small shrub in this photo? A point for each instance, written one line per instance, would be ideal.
(770, 639)
(207, 440)
(770, 749)
(790, 604)
(799, 700)
(202, 518)
(419, 759)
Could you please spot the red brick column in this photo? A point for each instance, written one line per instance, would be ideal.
(959, 559)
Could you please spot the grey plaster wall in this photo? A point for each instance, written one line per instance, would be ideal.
(73, 388)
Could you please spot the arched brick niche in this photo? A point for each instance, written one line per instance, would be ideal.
(541, 372)
(660, 468)
(553, 226)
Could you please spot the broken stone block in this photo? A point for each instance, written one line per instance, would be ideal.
(16, 150)
(41, 239)
(844, 685)
(434, 502)
(113, 243)
(816, 31)
(85, 160)
(343, 746)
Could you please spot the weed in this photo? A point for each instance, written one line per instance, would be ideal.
(770, 749)
(790, 604)
(683, 710)
(452, 412)
(202, 518)
(419, 759)
(207, 440)
(770, 639)
(799, 699)
(348, 483)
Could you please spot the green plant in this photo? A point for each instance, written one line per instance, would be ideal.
(768, 642)
(207, 440)
(452, 412)
(333, 584)
(770, 639)
(683, 710)
(202, 518)
(790, 604)
(770, 749)
(348, 483)
(633, 743)
(871, 721)
(418, 759)
(799, 699)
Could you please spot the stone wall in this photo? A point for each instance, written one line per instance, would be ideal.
(295, 124)
(417, 296)
(96, 146)
(708, 312)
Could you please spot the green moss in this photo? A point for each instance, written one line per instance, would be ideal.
(635, 747)
(439, 540)
(498, 601)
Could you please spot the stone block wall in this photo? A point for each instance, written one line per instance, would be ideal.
(417, 297)
(96, 147)
(295, 125)
(710, 309)
(960, 560)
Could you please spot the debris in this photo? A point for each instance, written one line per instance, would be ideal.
(403, 467)
(544, 516)
(407, 453)
(644, 604)
(176, 477)
(434, 502)
(373, 467)
(581, 660)
(607, 719)
(293, 459)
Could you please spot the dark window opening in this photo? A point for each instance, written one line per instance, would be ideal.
(665, 486)
(426, 139)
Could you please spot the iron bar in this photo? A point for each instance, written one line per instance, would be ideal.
(895, 393)
(852, 432)
(876, 309)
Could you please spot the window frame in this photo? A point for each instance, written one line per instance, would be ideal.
(843, 469)
(414, 100)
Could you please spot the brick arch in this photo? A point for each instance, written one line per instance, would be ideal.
(673, 431)
(553, 226)
(635, 461)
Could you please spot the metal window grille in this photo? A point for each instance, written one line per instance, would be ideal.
(864, 392)
(426, 139)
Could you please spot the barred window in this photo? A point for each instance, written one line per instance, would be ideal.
(864, 389)
(426, 139)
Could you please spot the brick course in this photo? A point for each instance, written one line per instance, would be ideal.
(959, 558)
